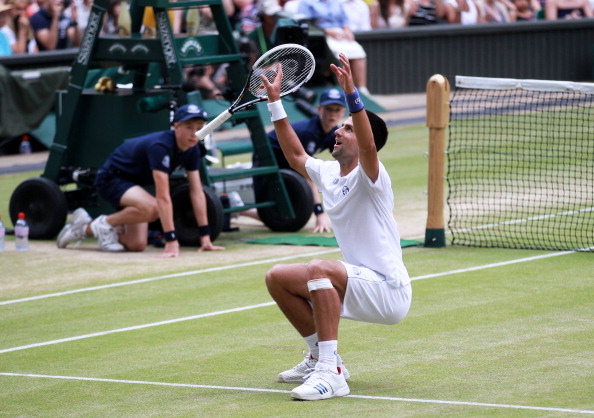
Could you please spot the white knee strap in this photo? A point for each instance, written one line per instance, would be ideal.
(319, 284)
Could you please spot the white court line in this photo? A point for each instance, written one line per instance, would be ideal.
(245, 308)
(487, 266)
(167, 276)
(517, 221)
(136, 327)
(245, 389)
(233, 266)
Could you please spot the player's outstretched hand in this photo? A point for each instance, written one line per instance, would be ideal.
(322, 224)
(207, 245)
(343, 74)
(273, 86)
(171, 250)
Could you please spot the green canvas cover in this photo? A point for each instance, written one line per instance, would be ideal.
(26, 98)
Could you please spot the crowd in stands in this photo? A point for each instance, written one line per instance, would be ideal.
(28, 26)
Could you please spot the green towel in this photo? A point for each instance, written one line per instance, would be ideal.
(313, 240)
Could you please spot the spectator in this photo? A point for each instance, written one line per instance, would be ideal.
(111, 17)
(524, 11)
(267, 10)
(253, 14)
(18, 29)
(291, 6)
(32, 8)
(53, 29)
(5, 48)
(358, 13)
(207, 24)
(474, 15)
(202, 76)
(389, 14)
(498, 11)
(331, 18)
(568, 9)
(454, 10)
(143, 161)
(245, 17)
(426, 12)
(316, 134)
(83, 10)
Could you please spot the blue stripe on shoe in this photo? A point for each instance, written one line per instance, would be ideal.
(321, 388)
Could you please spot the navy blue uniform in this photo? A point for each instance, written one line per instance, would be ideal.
(133, 162)
(311, 135)
(43, 20)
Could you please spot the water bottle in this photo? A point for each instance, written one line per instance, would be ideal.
(192, 21)
(21, 233)
(2, 234)
(124, 20)
(25, 147)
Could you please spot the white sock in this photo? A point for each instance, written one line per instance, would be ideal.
(94, 222)
(312, 344)
(328, 350)
(104, 221)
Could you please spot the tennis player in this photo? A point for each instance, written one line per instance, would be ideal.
(316, 134)
(372, 283)
(140, 162)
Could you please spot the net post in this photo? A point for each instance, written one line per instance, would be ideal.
(438, 117)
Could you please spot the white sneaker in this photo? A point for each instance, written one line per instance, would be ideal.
(235, 201)
(75, 230)
(322, 383)
(298, 373)
(106, 235)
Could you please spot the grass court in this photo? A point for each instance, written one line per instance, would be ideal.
(491, 332)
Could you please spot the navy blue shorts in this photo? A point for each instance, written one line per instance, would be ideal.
(111, 186)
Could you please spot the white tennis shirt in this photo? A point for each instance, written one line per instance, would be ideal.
(362, 217)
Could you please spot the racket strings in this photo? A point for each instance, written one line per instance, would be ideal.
(297, 67)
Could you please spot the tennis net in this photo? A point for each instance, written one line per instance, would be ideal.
(521, 164)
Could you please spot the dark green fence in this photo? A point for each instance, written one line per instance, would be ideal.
(401, 61)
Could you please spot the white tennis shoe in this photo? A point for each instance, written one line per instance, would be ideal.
(106, 235)
(298, 373)
(75, 230)
(322, 383)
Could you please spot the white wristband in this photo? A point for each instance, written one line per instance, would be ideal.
(277, 111)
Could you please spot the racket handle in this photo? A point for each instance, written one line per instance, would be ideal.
(214, 124)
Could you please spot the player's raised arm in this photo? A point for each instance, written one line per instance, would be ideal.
(289, 142)
(367, 149)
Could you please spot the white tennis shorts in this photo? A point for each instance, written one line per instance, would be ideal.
(370, 298)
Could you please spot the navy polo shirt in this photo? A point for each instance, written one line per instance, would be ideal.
(137, 158)
(311, 135)
(43, 20)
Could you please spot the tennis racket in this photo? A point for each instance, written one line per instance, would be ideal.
(298, 67)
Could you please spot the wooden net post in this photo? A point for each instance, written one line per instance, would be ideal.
(438, 117)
